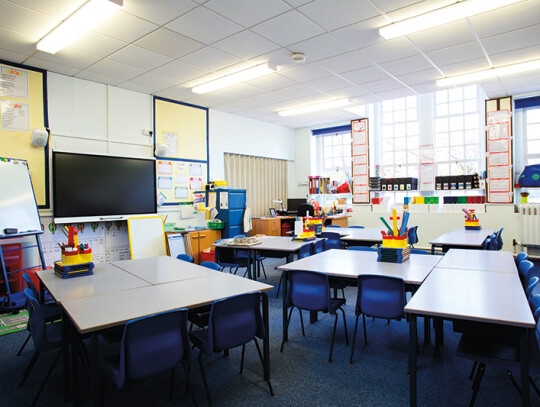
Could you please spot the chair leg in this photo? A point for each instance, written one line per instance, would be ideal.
(345, 327)
(473, 370)
(262, 363)
(365, 331)
(264, 271)
(188, 382)
(288, 321)
(354, 339)
(35, 357)
(477, 380)
(279, 285)
(172, 385)
(24, 344)
(333, 339)
(46, 378)
(511, 377)
(535, 387)
(242, 359)
(301, 321)
(204, 380)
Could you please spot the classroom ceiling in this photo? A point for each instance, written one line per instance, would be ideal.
(161, 47)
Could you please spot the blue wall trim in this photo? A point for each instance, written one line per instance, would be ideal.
(533, 101)
(329, 130)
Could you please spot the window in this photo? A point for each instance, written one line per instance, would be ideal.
(531, 135)
(458, 131)
(336, 152)
(399, 138)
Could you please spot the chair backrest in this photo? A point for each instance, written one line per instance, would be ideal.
(308, 290)
(362, 248)
(31, 285)
(234, 321)
(355, 227)
(533, 281)
(524, 269)
(36, 322)
(412, 235)
(153, 344)
(211, 265)
(381, 296)
(318, 246)
(332, 226)
(305, 250)
(332, 240)
(305, 209)
(534, 303)
(498, 236)
(486, 243)
(493, 242)
(520, 257)
(228, 257)
(419, 251)
(185, 257)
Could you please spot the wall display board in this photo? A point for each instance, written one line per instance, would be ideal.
(23, 107)
(499, 156)
(177, 180)
(360, 161)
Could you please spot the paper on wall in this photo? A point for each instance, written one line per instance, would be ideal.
(497, 159)
(195, 169)
(170, 139)
(165, 182)
(195, 183)
(181, 193)
(181, 179)
(164, 167)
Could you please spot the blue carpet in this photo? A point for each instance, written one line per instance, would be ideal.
(301, 375)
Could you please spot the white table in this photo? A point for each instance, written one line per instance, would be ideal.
(485, 260)
(473, 295)
(461, 238)
(362, 237)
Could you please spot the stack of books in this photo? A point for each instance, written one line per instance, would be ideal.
(76, 270)
(393, 255)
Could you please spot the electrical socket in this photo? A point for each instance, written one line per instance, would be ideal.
(147, 132)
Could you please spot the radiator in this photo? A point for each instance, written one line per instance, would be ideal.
(529, 215)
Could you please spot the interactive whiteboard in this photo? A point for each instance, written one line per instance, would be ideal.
(146, 237)
(18, 208)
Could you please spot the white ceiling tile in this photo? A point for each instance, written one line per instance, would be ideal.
(390, 50)
(204, 25)
(108, 67)
(59, 9)
(458, 53)
(516, 55)
(272, 82)
(297, 3)
(95, 77)
(207, 100)
(176, 93)
(246, 44)
(158, 11)
(140, 57)
(248, 12)
(507, 19)
(155, 81)
(288, 28)
(530, 79)
(321, 47)
(349, 61)
(210, 58)
(443, 36)
(70, 57)
(25, 21)
(305, 73)
(169, 43)
(254, 113)
(181, 71)
(493, 88)
(7, 55)
(242, 90)
(329, 83)
(425, 88)
(125, 27)
(365, 75)
(137, 87)
(416, 78)
(16, 42)
(353, 92)
(396, 93)
(362, 34)
(525, 37)
(280, 57)
(401, 10)
(387, 6)
(331, 14)
(51, 66)
(404, 66)
(297, 91)
(382, 85)
(266, 98)
(464, 66)
(97, 44)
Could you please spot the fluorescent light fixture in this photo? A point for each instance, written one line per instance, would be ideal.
(329, 105)
(234, 78)
(435, 18)
(489, 73)
(80, 22)
(359, 110)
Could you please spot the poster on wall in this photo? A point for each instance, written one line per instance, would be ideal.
(15, 115)
(427, 167)
(176, 183)
(360, 161)
(13, 82)
(499, 156)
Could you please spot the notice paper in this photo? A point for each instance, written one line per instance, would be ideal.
(499, 172)
(497, 159)
(164, 167)
(181, 193)
(13, 82)
(170, 139)
(165, 183)
(195, 169)
(195, 183)
(181, 179)
(15, 115)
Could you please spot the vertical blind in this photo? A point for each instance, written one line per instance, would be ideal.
(265, 180)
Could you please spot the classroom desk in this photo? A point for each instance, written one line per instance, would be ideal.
(271, 225)
(479, 260)
(349, 264)
(361, 237)
(473, 295)
(461, 239)
(90, 314)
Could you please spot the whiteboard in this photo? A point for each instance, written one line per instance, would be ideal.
(177, 244)
(146, 237)
(18, 208)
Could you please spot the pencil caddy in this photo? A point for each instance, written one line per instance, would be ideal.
(471, 221)
(395, 242)
(76, 257)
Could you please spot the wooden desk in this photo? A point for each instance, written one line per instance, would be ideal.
(271, 225)
(474, 295)
(484, 260)
(461, 239)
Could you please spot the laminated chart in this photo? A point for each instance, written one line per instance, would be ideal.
(360, 160)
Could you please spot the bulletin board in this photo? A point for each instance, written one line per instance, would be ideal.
(499, 155)
(23, 107)
(360, 161)
(183, 128)
(177, 180)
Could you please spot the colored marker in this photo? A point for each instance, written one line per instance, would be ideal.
(387, 225)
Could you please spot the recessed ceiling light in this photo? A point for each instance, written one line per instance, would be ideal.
(328, 105)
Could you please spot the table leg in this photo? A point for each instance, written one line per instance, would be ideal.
(74, 369)
(65, 357)
(427, 330)
(313, 317)
(266, 341)
(95, 378)
(432, 249)
(524, 356)
(285, 281)
(412, 358)
(439, 332)
(250, 275)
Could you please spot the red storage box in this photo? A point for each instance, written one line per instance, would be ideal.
(208, 255)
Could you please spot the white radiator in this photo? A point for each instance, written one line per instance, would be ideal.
(530, 224)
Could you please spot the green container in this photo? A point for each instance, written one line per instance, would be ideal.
(462, 200)
(216, 225)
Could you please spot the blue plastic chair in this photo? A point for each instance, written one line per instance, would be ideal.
(310, 291)
(151, 345)
(211, 265)
(412, 235)
(419, 251)
(362, 248)
(234, 321)
(524, 269)
(520, 257)
(332, 226)
(318, 246)
(498, 237)
(46, 337)
(378, 297)
(356, 227)
(185, 257)
(533, 281)
(332, 240)
(305, 251)
(228, 257)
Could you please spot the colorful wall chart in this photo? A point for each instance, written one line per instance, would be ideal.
(178, 180)
(360, 161)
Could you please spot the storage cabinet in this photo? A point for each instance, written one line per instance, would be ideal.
(200, 240)
(265, 226)
(231, 205)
